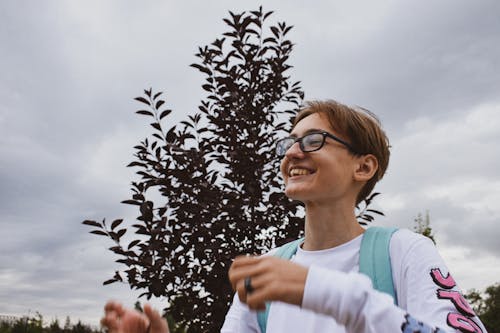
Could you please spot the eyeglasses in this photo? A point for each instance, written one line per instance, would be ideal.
(308, 143)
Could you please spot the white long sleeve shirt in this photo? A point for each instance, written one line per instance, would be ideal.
(337, 298)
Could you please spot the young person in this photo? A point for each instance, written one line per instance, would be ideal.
(332, 159)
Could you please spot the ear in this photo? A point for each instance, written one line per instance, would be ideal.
(365, 167)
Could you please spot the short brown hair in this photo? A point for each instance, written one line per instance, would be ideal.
(360, 128)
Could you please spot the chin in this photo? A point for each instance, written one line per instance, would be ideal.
(296, 194)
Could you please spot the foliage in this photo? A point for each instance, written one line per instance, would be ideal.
(423, 226)
(173, 326)
(365, 213)
(487, 306)
(34, 324)
(216, 175)
(54, 327)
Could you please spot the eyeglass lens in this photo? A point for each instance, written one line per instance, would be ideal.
(307, 143)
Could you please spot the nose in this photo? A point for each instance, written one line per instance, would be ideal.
(294, 151)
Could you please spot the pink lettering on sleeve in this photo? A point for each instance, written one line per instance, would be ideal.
(463, 323)
(458, 300)
(444, 282)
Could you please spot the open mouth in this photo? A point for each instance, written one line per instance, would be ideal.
(295, 171)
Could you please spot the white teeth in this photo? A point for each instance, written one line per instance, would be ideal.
(299, 172)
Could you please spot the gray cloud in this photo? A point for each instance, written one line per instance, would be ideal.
(70, 71)
(404, 60)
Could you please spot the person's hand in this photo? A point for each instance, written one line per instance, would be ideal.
(271, 279)
(118, 319)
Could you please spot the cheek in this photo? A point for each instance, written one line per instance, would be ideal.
(283, 168)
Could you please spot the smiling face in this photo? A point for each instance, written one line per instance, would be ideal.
(325, 175)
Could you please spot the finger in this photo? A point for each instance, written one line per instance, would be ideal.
(245, 260)
(115, 307)
(157, 323)
(133, 321)
(240, 290)
(249, 299)
(270, 287)
(265, 290)
(249, 267)
(256, 302)
(110, 319)
(109, 306)
(246, 269)
(237, 276)
(112, 313)
(257, 282)
(111, 322)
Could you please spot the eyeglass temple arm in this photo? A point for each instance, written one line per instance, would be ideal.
(341, 141)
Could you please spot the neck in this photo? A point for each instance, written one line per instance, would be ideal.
(328, 225)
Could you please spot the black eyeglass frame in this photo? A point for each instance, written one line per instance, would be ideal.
(301, 144)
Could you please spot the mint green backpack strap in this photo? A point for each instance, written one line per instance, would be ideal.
(284, 252)
(375, 260)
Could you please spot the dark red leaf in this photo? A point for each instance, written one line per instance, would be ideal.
(159, 104)
(117, 276)
(275, 31)
(266, 15)
(124, 261)
(158, 136)
(156, 126)
(133, 243)
(116, 223)
(98, 232)
(171, 135)
(165, 113)
(202, 68)
(92, 223)
(270, 39)
(121, 232)
(139, 164)
(138, 197)
(143, 100)
(287, 30)
(145, 112)
(375, 211)
(131, 202)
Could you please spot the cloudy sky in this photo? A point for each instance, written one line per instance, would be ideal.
(69, 71)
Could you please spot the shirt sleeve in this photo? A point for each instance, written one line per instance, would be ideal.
(239, 319)
(429, 298)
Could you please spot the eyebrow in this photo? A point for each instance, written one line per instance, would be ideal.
(309, 131)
